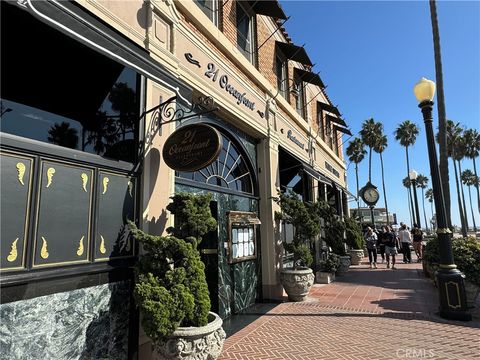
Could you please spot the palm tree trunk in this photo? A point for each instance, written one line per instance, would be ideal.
(384, 191)
(471, 209)
(358, 197)
(410, 196)
(424, 213)
(463, 196)
(460, 206)
(370, 165)
(431, 211)
(442, 118)
(476, 185)
(410, 207)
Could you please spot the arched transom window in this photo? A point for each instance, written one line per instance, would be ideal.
(229, 171)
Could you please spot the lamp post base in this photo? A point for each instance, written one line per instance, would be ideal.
(453, 301)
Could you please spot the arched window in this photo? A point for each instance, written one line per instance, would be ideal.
(230, 170)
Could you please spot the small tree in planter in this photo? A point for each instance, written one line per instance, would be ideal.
(327, 273)
(466, 254)
(354, 239)
(306, 226)
(171, 289)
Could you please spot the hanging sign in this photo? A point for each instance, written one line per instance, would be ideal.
(192, 147)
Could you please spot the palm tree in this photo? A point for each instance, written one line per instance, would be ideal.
(429, 197)
(422, 182)
(406, 133)
(454, 134)
(408, 184)
(460, 150)
(64, 135)
(356, 153)
(369, 134)
(472, 142)
(469, 179)
(380, 147)
(442, 117)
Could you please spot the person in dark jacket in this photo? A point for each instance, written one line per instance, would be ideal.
(391, 246)
(371, 240)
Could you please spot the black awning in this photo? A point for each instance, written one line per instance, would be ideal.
(310, 171)
(342, 129)
(337, 120)
(294, 52)
(268, 8)
(329, 108)
(310, 77)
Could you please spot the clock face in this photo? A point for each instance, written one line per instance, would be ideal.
(371, 195)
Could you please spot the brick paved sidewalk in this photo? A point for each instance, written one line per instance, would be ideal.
(365, 314)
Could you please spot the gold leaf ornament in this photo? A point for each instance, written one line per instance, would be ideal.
(105, 184)
(103, 250)
(50, 173)
(80, 247)
(21, 171)
(84, 181)
(12, 256)
(44, 251)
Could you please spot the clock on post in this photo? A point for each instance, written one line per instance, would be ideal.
(370, 194)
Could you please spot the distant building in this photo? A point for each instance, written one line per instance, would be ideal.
(379, 214)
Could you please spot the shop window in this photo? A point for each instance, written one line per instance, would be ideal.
(229, 171)
(68, 94)
(210, 8)
(242, 236)
(245, 31)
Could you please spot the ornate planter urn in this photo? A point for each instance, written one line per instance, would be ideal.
(471, 292)
(189, 343)
(297, 283)
(344, 265)
(356, 255)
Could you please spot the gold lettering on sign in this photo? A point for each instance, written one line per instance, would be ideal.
(130, 188)
(44, 252)
(50, 173)
(105, 184)
(84, 181)
(21, 171)
(13, 252)
(103, 250)
(80, 247)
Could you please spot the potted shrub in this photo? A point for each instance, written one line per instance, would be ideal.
(466, 254)
(354, 240)
(431, 258)
(305, 219)
(171, 289)
(327, 273)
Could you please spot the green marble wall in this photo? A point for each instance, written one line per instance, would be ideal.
(237, 283)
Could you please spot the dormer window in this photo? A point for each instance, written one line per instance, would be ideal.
(298, 95)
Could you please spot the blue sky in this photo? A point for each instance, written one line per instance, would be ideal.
(370, 54)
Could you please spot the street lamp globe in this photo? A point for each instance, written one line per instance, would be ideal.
(412, 175)
(424, 90)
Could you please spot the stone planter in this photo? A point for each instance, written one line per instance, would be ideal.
(192, 343)
(297, 283)
(322, 277)
(356, 256)
(344, 265)
(432, 268)
(471, 292)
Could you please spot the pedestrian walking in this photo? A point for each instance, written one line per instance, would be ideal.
(391, 246)
(381, 244)
(417, 235)
(371, 240)
(406, 241)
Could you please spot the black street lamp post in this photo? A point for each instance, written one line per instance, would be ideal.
(413, 179)
(450, 280)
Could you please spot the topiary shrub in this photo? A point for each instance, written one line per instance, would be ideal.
(466, 255)
(306, 226)
(171, 288)
(353, 233)
(332, 263)
(432, 251)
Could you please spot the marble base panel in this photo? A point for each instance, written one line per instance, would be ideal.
(88, 323)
